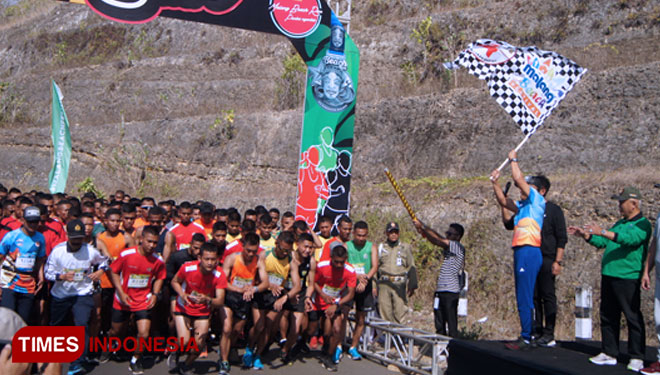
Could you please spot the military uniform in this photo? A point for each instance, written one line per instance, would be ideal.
(394, 263)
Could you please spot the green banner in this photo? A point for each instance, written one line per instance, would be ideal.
(326, 147)
(61, 144)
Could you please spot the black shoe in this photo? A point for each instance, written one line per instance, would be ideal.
(328, 364)
(286, 358)
(105, 357)
(546, 341)
(521, 344)
(185, 369)
(136, 368)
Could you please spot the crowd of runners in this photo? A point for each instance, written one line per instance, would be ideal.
(129, 267)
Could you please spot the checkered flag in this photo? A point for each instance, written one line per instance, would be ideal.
(526, 81)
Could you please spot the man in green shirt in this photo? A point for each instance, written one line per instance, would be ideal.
(363, 256)
(625, 246)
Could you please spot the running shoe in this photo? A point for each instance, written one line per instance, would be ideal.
(353, 353)
(248, 357)
(224, 368)
(76, 370)
(256, 364)
(603, 359)
(338, 354)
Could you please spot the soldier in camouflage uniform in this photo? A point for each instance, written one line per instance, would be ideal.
(397, 278)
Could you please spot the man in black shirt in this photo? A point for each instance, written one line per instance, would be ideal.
(553, 241)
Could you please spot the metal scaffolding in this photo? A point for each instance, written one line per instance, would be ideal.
(408, 348)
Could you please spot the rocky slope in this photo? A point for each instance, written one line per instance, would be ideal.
(183, 110)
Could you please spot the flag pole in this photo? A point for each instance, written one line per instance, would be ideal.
(400, 193)
(517, 148)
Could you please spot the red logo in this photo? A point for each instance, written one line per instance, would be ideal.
(296, 18)
(48, 344)
(491, 52)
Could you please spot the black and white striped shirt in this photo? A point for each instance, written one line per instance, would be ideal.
(451, 268)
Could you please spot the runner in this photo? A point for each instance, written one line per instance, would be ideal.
(206, 219)
(70, 267)
(198, 284)
(62, 211)
(275, 215)
(184, 231)
(9, 222)
(265, 228)
(166, 240)
(236, 246)
(325, 234)
(115, 241)
(344, 228)
(363, 256)
(333, 279)
(268, 308)
(137, 276)
(220, 237)
(233, 226)
(220, 214)
(22, 255)
(128, 217)
(242, 269)
(146, 204)
(167, 207)
(306, 263)
(250, 214)
(173, 265)
(287, 221)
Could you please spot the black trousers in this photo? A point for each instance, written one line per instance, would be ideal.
(446, 313)
(545, 300)
(621, 296)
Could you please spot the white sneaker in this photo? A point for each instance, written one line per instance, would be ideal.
(603, 359)
(635, 365)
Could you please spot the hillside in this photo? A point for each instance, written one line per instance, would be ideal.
(189, 111)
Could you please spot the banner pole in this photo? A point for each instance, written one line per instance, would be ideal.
(517, 148)
(400, 193)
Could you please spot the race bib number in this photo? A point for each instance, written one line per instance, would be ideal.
(25, 262)
(359, 268)
(240, 282)
(138, 281)
(275, 279)
(288, 284)
(399, 261)
(78, 274)
(331, 291)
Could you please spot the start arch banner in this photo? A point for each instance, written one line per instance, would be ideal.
(332, 58)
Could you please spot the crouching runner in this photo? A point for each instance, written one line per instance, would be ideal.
(334, 285)
(199, 284)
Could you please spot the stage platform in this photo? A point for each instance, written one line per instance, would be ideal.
(568, 357)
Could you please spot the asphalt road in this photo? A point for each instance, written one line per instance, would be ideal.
(308, 364)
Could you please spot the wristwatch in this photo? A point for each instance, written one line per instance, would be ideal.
(513, 160)
(602, 232)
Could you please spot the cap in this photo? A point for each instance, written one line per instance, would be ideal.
(31, 213)
(334, 244)
(628, 193)
(10, 322)
(206, 208)
(75, 229)
(391, 226)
